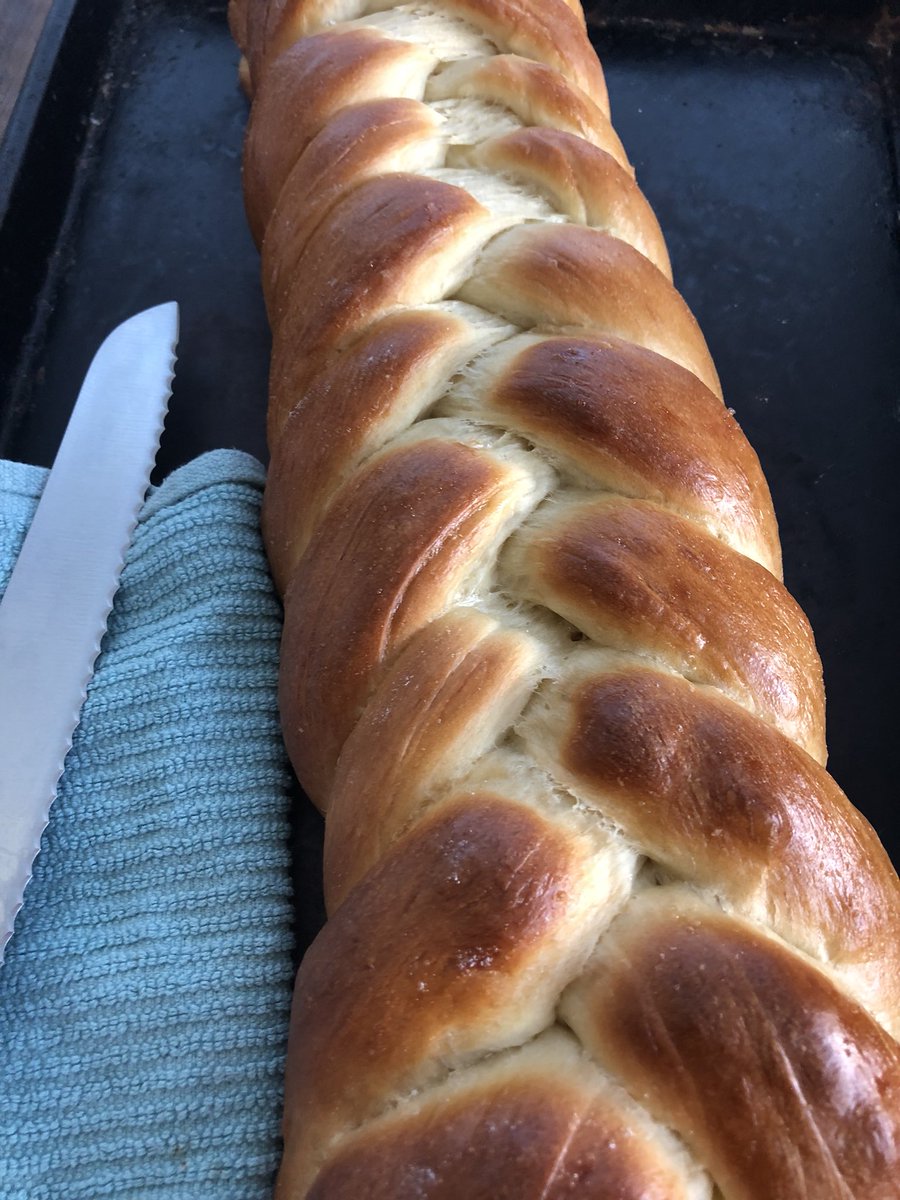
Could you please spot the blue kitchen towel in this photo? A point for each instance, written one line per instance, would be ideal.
(144, 998)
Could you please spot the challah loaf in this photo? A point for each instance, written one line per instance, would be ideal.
(601, 925)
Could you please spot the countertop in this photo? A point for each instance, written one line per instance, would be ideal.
(21, 22)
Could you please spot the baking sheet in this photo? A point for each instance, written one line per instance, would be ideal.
(768, 149)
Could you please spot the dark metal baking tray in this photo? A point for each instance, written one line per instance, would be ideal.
(765, 136)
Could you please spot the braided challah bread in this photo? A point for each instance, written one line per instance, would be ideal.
(601, 925)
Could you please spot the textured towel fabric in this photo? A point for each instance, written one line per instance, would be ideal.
(144, 997)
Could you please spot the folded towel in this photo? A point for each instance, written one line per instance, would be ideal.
(144, 996)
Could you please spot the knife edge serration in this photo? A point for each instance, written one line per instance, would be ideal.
(56, 607)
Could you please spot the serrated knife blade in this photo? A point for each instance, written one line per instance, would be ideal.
(54, 612)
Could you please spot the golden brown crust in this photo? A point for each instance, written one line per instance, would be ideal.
(628, 420)
(410, 237)
(569, 277)
(309, 84)
(538, 95)
(632, 576)
(458, 942)
(453, 690)
(237, 21)
(729, 805)
(547, 31)
(539, 669)
(781, 1084)
(527, 1126)
(581, 180)
(352, 406)
(389, 553)
(362, 142)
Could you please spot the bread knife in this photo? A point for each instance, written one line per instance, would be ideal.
(54, 611)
